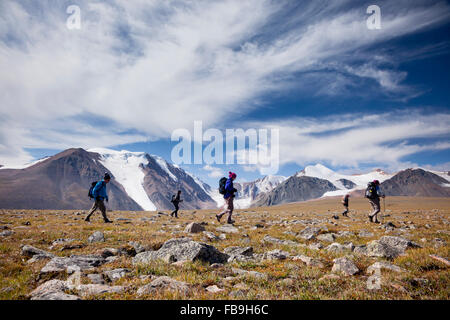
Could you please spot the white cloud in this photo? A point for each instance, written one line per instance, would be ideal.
(213, 172)
(154, 66)
(354, 139)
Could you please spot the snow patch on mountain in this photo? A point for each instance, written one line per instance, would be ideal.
(361, 180)
(163, 164)
(24, 166)
(126, 168)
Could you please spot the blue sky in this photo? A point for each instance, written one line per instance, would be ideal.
(342, 95)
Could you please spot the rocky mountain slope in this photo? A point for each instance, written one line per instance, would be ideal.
(59, 182)
(140, 182)
(296, 188)
(416, 183)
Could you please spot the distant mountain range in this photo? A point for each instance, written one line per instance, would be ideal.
(146, 182)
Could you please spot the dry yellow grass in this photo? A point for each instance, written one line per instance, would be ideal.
(429, 216)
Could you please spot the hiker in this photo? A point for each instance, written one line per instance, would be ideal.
(345, 204)
(373, 193)
(99, 194)
(228, 195)
(176, 201)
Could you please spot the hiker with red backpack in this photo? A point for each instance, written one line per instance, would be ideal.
(373, 193)
(227, 189)
(98, 192)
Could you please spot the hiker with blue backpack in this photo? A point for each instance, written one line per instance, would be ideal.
(99, 194)
(373, 193)
(227, 189)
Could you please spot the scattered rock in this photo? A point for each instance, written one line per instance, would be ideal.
(277, 241)
(309, 261)
(116, 274)
(96, 278)
(194, 227)
(309, 233)
(328, 237)
(339, 248)
(250, 274)
(182, 249)
(211, 236)
(276, 255)
(365, 234)
(6, 233)
(73, 263)
(52, 290)
(97, 236)
(228, 228)
(383, 265)
(138, 248)
(389, 247)
(214, 289)
(97, 289)
(345, 266)
(315, 246)
(31, 252)
(164, 283)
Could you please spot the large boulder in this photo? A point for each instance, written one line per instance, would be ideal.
(389, 247)
(182, 249)
(73, 263)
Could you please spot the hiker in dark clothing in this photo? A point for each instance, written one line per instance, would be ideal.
(176, 201)
(100, 195)
(345, 204)
(373, 193)
(229, 197)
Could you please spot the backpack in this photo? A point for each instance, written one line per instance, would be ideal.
(371, 191)
(93, 184)
(173, 199)
(222, 183)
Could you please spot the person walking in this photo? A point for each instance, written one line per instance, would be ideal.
(176, 202)
(373, 193)
(345, 204)
(100, 195)
(229, 197)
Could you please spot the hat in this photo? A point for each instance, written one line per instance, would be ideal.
(106, 176)
(231, 175)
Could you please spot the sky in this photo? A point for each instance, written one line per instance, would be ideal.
(339, 93)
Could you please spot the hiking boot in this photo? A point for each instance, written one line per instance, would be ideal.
(370, 219)
(108, 221)
(376, 221)
(87, 219)
(218, 217)
(230, 221)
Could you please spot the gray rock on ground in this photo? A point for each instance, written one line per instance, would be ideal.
(97, 236)
(383, 265)
(309, 261)
(116, 274)
(52, 290)
(194, 227)
(345, 266)
(389, 247)
(227, 228)
(250, 274)
(309, 233)
(182, 249)
(164, 283)
(327, 237)
(276, 255)
(73, 263)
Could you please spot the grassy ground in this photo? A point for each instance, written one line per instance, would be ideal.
(425, 278)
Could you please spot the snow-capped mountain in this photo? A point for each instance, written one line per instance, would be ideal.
(248, 191)
(151, 181)
(344, 183)
(140, 182)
